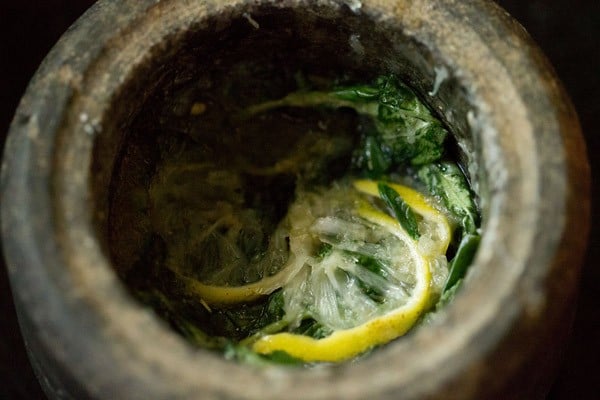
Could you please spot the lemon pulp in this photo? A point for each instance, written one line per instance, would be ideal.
(331, 288)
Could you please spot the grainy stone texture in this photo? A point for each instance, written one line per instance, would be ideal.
(89, 340)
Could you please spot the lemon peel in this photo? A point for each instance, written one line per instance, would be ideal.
(228, 295)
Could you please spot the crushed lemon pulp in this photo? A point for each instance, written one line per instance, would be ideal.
(388, 324)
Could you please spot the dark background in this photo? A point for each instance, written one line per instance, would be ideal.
(567, 30)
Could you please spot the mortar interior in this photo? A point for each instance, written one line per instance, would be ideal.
(246, 54)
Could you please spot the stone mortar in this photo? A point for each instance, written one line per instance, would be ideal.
(501, 337)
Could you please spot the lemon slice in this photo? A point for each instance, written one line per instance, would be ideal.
(331, 289)
(347, 343)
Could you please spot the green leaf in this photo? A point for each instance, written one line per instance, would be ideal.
(375, 266)
(283, 358)
(244, 354)
(447, 296)
(310, 327)
(447, 181)
(371, 263)
(405, 132)
(462, 260)
(372, 158)
(405, 125)
(402, 211)
(324, 250)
